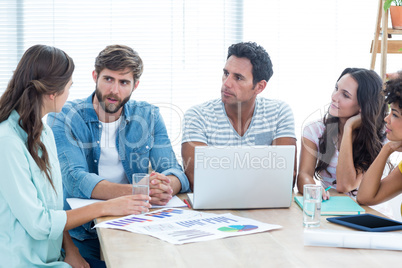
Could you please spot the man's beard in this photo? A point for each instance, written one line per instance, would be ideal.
(112, 107)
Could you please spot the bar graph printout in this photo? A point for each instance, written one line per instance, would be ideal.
(178, 226)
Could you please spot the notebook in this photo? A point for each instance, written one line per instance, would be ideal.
(243, 177)
(336, 205)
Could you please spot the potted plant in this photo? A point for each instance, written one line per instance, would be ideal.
(396, 12)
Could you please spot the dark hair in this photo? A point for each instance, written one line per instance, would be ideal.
(119, 57)
(42, 70)
(368, 140)
(393, 91)
(259, 58)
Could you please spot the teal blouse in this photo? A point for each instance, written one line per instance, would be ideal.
(32, 219)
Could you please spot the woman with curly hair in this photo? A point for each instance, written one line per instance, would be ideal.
(372, 189)
(339, 149)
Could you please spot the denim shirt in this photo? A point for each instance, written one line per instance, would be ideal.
(141, 139)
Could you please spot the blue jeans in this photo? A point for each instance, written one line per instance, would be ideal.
(90, 251)
(95, 263)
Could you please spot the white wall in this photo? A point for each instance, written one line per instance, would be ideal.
(310, 44)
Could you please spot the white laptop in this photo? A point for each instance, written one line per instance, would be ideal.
(243, 177)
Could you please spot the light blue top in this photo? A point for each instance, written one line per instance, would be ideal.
(141, 139)
(31, 215)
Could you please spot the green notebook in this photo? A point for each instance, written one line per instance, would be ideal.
(336, 205)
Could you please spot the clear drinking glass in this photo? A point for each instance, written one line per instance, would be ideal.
(312, 199)
(141, 183)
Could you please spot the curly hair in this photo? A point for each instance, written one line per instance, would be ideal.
(370, 135)
(42, 70)
(393, 91)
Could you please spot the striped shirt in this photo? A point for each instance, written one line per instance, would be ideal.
(209, 123)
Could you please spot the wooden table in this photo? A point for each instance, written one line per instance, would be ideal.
(277, 248)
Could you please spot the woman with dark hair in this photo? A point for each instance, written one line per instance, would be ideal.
(374, 190)
(339, 148)
(33, 225)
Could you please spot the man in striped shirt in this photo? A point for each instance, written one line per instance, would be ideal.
(239, 117)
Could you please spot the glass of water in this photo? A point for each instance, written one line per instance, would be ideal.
(141, 183)
(312, 198)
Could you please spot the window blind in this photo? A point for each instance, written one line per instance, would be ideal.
(183, 44)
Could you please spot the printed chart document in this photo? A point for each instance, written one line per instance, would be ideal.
(336, 205)
(175, 202)
(178, 226)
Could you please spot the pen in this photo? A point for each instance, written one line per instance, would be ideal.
(325, 190)
(185, 201)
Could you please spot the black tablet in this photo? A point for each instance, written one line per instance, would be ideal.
(367, 222)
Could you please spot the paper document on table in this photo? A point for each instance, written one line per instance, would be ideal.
(353, 239)
(175, 202)
(81, 202)
(179, 226)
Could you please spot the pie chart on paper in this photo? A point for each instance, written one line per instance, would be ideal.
(237, 228)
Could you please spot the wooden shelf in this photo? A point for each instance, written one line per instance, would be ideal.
(383, 45)
(394, 31)
(393, 46)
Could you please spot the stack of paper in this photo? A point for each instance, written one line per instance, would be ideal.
(352, 239)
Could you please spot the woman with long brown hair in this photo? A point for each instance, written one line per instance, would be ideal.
(33, 226)
(339, 149)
